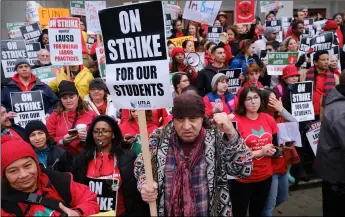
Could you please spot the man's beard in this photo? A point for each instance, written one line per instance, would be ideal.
(43, 62)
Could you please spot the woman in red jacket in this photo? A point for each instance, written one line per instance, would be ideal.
(208, 56)
(28, 191)
(70, 112)
(178, 65)
(252, 76)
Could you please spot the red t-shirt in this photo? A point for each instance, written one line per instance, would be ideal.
(256, 134)
(101, 184)
(318, 92)
(102, 108)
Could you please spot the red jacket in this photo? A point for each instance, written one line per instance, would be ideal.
(21, 85)
(58, 127)
(228, 54)
(160, 117)
(246, 84)
(82, 198)
(12, 136)
(132, 128)
(208, 59)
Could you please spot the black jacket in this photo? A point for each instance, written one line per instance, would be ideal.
(134, 204)
(203, 81)
(39, 65)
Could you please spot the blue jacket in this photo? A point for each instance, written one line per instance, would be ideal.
(49, 97)
(240, 61)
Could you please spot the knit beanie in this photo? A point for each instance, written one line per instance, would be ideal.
(177, 50)
(67, 87)
(216, 78)
(20, 61)
(188, 105)
(33, 126)
(330, 24)
(14, 150)
(97, 83)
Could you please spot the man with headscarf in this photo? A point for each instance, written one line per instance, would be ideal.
(192, 162)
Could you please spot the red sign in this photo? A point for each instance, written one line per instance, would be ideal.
(245, 11)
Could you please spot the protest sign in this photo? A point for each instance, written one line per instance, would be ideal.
(168, 25)
(267, 6)
(77, 8)
(65, 38)
(286, 9)
(90, 41)
(313, 135)
(47, 73)
(46, 13)
(92, 20)
(47, 46)
(31, 32)
(289, 132)
(244, 11)
(14, 30)
(172, 9)
(324, 41)
(178, 41)
(32, 51)
(234, 83)
(11, 50)
(202, 11)
(276, 24)
(278, 60)
(304, 45)
(31, 11)
(28, 106)
(263, 54)
(301, 101)
(101, 61)
(213, 34)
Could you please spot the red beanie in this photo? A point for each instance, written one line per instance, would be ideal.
(14, 150)
(177, 50)
(330, 24)
(289, 71)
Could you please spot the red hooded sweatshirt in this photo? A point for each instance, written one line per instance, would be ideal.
(132, 128)
(21, 85)
(160, 117)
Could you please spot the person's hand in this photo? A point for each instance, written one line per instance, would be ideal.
(242, 78)
(129, 139)
(68, 211)
(11, 115)
(290, 147)
(149, 194)
(231, 116)
(67, 139)
(218, 107)
(82, 135)
(269, 150)
(223, 37)
(276, 104)
(223, 123)
(47, 116)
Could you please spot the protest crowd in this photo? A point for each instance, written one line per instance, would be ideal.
(150, 109)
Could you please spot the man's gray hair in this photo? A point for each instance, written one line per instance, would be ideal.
(302, 8)
(39, 52)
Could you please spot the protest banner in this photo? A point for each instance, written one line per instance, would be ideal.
(172, 9)
(304, 45)
(301, 101)
(77, 8)
(213, 34)
(136, 53)
(31, 32)
(289, 132)
(32, 51)
(47, 73)
(244, 11)
(276, 24)
(202, 11)
(324, 41)
(313, 135)
(31, 11)
(178, 41)
(65, 38)
(28, 106)
(234, 83)
(92, 20)
(278, 60)
(14, 30)
(168, 25)
(11, 50)
(101, 61)
(90, 41)
(45, 14)
(286, 9)
(267, 6)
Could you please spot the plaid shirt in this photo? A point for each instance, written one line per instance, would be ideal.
(198, 181)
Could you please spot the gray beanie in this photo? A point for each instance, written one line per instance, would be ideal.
(20, 61)
(217, 77)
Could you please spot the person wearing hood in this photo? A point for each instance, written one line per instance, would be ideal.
(24, 80)
(49, 155)
(330, 161)
(43, 59)
(178, 64)
(204, 77)
(104, 163)
(80, 75)
(99, 100)
(26, 190)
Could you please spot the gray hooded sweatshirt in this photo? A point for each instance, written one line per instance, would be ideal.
(330, 156)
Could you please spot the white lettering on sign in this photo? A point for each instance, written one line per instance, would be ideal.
(130, 23)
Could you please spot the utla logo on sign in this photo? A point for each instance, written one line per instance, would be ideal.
(136, 56)
(65, 41)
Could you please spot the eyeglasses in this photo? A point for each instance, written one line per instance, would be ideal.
(251, 99)
(103, 132)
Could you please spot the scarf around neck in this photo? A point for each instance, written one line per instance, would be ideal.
(182, 200)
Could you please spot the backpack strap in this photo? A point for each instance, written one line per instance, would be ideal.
(62, 183)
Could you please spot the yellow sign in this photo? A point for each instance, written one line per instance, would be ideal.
(109, 213)
(178, 41)
(46, 13)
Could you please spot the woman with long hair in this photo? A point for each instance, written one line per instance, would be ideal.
(71, 112)
(108, 169)
(194, 31)
(178, 64)
(179, 81)
(258, 130)
(177, 30)
(208, 56)
(233, 39)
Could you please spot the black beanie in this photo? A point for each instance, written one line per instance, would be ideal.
(67, 87)
(97, 83)
(21, 61)
(33, 126)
